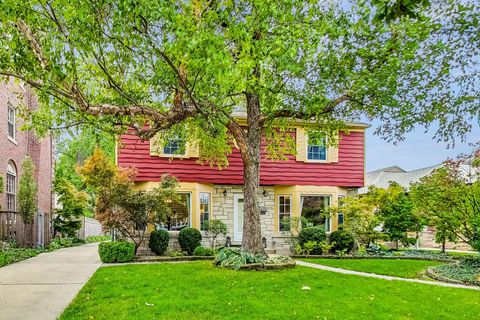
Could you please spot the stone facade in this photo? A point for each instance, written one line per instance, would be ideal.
(223, 209)
(25, 143)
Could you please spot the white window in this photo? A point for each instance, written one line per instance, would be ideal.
(204, 209)
(316, 148)
(315, 210)
(284, 212)
(174, 147)
(11, 187)
(11, 119)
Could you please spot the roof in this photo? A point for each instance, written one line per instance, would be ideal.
(349, 124)
(381, 178)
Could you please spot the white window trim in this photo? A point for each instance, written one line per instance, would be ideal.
(175, 155)
(278, 208)
(315, 160)
(14, 123)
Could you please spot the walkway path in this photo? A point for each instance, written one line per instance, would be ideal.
(43, 286)
(379, 276)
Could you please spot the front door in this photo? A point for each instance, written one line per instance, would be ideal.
(237, 217)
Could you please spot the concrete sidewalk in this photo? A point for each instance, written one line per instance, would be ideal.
(43, 286)
(379, 276)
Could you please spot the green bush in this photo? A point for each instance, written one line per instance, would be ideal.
(312, 234)
(234, 258)
(111, 252)
(159, 241)
(94, 239)
(342, 240)
(189, 239)
(202, 251)
(13, 255)
(58, 243)
(466, 270)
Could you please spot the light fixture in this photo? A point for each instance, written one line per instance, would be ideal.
(265, 193)
(228, 242)
(225, 192)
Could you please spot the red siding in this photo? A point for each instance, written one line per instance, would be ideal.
(348, 172)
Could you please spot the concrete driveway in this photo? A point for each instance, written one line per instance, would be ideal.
(43, 286)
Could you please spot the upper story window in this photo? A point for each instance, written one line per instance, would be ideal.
(11, 186)
(11, 119)
(175, 146)
(316, 148)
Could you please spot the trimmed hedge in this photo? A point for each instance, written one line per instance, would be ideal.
(111, 252)
(202, 251)
(342, 240)
(159, 241)
(312, 234)
(189, 239)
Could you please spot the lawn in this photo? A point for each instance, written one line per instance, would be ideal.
(391, 267)
(197, 290)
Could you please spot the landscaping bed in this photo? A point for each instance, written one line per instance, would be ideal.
(198, 290)
(466, 271)
(12, 255)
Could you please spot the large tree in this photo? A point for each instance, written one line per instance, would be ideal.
(186, 65)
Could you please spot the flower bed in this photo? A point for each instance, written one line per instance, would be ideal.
(13, 255)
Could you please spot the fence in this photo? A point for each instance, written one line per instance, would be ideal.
(35, 234)
(90, 227)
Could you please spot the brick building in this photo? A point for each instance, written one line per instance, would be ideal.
(16, 144)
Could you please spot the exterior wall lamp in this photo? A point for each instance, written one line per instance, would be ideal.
(265, 193)
(224, 192)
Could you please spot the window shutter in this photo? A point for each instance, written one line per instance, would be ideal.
(156, 146)
(192, 150)
(332, 154)
(301, 145)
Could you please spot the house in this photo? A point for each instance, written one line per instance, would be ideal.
(15, 145)
(381, 178)
(304, 185)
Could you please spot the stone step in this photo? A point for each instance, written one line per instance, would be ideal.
(270, 251)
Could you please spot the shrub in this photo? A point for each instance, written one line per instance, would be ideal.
(342, 241)
(189, 239)
(13, 255)
(175, 253)
(235, 258)
(159, 241)
(312, 234)
(213, 229)
(467, 270)
(116, 251)
(58, 243)
(94, 239)
(202, 251)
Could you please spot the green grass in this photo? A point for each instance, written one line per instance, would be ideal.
(390, 267)
(197, 290)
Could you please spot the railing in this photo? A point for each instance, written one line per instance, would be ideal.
(35, 234)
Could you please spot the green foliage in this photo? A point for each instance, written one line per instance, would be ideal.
(342, 241)
(111, 252)
(119, 205)
(94, 239)
(214, 228)
(1, 184)
(312, 237)
(449, 198)
(13, 255)
(396, 209)
(159, 241)
(27, 193)
(467, 270)
(58, 243)
(202, 251)
(175, 253)
(189, 239)
(73, 206)
(234, 258)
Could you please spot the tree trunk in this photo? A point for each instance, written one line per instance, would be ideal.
(444, 241)
(250, 150)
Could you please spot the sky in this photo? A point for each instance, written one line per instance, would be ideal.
(418, 150)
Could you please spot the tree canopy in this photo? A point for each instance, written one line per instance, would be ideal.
(188, 66)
